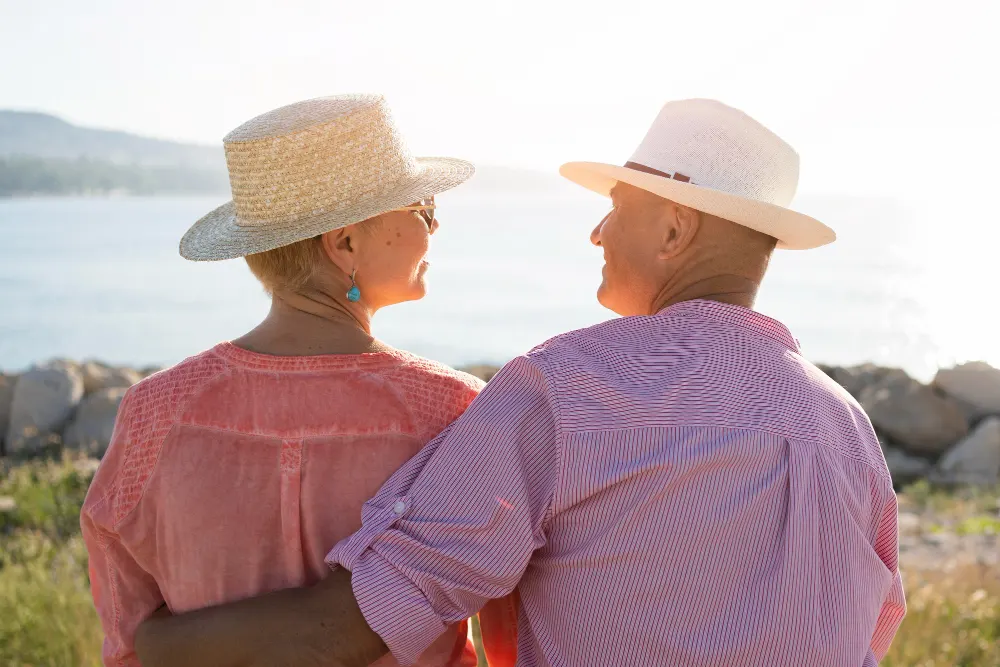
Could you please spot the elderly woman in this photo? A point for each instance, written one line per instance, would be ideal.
(231, 474)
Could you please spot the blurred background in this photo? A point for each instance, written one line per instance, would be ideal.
(890, 104)
(111, 120)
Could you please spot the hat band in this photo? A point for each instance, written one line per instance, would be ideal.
(677, 176)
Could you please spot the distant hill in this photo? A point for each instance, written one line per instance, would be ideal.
(41, 154)
(44, 136)
(44, 155)
(23, 176)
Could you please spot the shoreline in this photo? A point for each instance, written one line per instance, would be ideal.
(946, 431)
(43, 196)
(925, 377)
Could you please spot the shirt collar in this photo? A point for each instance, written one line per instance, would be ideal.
(737, 316)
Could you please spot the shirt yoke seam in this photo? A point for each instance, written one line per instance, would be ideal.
(456, 387)
(744, 331)
(784, 436)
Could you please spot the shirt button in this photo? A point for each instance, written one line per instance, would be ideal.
(399, 507)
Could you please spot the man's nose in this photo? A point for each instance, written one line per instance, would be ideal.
(595, 235)
(434, 225)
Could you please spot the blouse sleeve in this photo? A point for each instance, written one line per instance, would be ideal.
(124, 594)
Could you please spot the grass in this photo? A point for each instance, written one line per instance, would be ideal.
(952, 619)
(964, 501)
(46, 616)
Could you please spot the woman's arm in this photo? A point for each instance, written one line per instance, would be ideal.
(124, 593)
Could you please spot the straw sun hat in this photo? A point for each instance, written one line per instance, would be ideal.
(312, 167)
(716, 159)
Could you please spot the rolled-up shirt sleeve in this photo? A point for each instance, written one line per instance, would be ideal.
(457, 524)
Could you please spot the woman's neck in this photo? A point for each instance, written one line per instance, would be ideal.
(311, 323)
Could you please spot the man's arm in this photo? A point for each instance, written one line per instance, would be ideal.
(457, 525)
(289, 627)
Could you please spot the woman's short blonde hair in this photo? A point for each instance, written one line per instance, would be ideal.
(287, 268)
(290, 267)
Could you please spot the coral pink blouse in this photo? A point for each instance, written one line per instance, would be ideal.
(233, 473)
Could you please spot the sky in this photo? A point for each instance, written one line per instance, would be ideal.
(879, 97)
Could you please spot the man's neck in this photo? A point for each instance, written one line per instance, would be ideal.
(731, 289)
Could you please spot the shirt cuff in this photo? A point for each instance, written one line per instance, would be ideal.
(391, 603)
(375, 520)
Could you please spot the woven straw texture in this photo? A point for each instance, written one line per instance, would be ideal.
(722, 162)
(311, 167)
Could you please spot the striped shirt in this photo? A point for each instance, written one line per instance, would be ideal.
(678, 489)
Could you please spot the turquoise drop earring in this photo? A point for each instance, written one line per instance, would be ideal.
(353, 294)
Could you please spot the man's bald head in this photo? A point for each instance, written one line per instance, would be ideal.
(658, 252)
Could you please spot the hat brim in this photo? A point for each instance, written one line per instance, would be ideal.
(794, 231)
(219, 235)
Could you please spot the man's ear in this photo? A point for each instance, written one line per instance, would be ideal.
(682, 224)
(340, 246)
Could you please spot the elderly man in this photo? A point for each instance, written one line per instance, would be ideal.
(674, 487)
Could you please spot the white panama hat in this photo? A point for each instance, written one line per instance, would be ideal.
(715, 159)
(311, 167)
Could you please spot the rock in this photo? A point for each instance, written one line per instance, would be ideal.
(938, 538)
(97, 376)
(855, 379)
(7, 383)
(44, 399)
(70, 365)
(94, 422)
(903, 467)
(975, 385)
(912, 415)
(974, 460)
(7, 504)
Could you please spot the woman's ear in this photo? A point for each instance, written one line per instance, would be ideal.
(340, 246)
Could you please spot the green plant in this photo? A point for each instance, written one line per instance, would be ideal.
(47, 617)
(46, 613)
(952, 619)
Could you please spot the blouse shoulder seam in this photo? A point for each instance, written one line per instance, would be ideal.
(146, 452)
